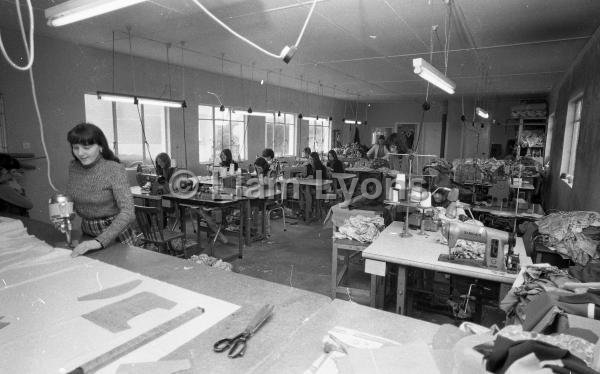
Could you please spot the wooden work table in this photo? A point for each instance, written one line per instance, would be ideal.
(422, 251)
(289, 342)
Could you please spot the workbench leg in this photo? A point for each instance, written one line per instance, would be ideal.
(241, 231)
(401, 290)
(247, 218)
(334, 254)
(264, 218)
(504, 288)
(373, 293)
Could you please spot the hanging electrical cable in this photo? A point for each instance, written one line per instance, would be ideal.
(29, 47)
(279, 96)
(29, 51)
(286, 53)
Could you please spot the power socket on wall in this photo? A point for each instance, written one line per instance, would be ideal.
(26, 145)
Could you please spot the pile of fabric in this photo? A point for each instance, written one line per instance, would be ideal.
(512, 350)
(537, 280)
(207, 260)
(361, 228)
(574, 234)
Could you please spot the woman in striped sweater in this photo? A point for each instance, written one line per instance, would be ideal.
(98, 186)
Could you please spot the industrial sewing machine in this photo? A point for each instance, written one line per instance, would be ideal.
(60, 208)
(494, 241)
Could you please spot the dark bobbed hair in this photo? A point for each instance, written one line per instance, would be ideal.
(333, 154)
(89, 134)
(163, 157)
(263, 164)
(228, 155)
(307, 150)
(381, 137)
(268, 152)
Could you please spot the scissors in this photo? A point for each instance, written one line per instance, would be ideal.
(237, 344)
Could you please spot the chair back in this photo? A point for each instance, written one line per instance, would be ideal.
(149, 221)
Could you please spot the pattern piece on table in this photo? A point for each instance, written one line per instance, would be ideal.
(156, 367)
(114, 317)
(3, 324)
(112, 291)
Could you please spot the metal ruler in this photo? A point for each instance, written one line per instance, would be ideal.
(140, 340)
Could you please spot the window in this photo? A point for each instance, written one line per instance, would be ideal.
(121, 123)
(219, 130)
(319, 131)
(280, 134)
(571, 139)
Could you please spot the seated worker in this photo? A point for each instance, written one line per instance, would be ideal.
(227, 160)
(308, 167)
(268, 155)
(333, 163)
(379, 150)
(262, 167)
(12, 195)
(164, 170)
(319, 171)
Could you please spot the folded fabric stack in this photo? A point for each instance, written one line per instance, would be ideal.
(574, 234)
(360, 228)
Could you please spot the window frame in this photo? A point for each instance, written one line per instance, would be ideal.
(166, 127)
(288, 128)
(571, 139)
(313, 123)
(230, 111)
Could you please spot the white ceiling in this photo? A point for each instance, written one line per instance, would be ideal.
(363, 48)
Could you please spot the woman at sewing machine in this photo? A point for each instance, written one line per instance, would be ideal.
(98, 186)
(164, 170)
(227, 160)
(333, 163)
(379, 149)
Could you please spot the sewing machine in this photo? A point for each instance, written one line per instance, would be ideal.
(60, 208)
(494, 240)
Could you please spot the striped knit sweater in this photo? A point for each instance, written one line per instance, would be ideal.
(101, 190)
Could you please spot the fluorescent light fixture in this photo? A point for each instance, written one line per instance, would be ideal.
(433, 75)
(77, 10)
(133, 99)
(352, 122)
(115, 97)
(482, 113)
(161, 102)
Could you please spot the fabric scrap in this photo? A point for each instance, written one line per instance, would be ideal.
(114, 317)
(156, 367)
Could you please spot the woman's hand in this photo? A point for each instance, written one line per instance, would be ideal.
(85, 246)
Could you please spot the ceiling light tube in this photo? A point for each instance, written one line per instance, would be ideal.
(161, 102)
(352, 122)
(107, 96)
(433, 75)
(482, 113)
(77, 10)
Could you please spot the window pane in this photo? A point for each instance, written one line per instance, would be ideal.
(318, 139)
(291, 140)
(154, 122)
(205, 112)
(237, 144)
(223, 116)
(279, 146)
(221, 136)
(238, 115)
(269, 134)
(205, 137)
(129, 133)
(311, 137)
(574, 141)
(289, 118)
(99, 112)
(326, 138)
